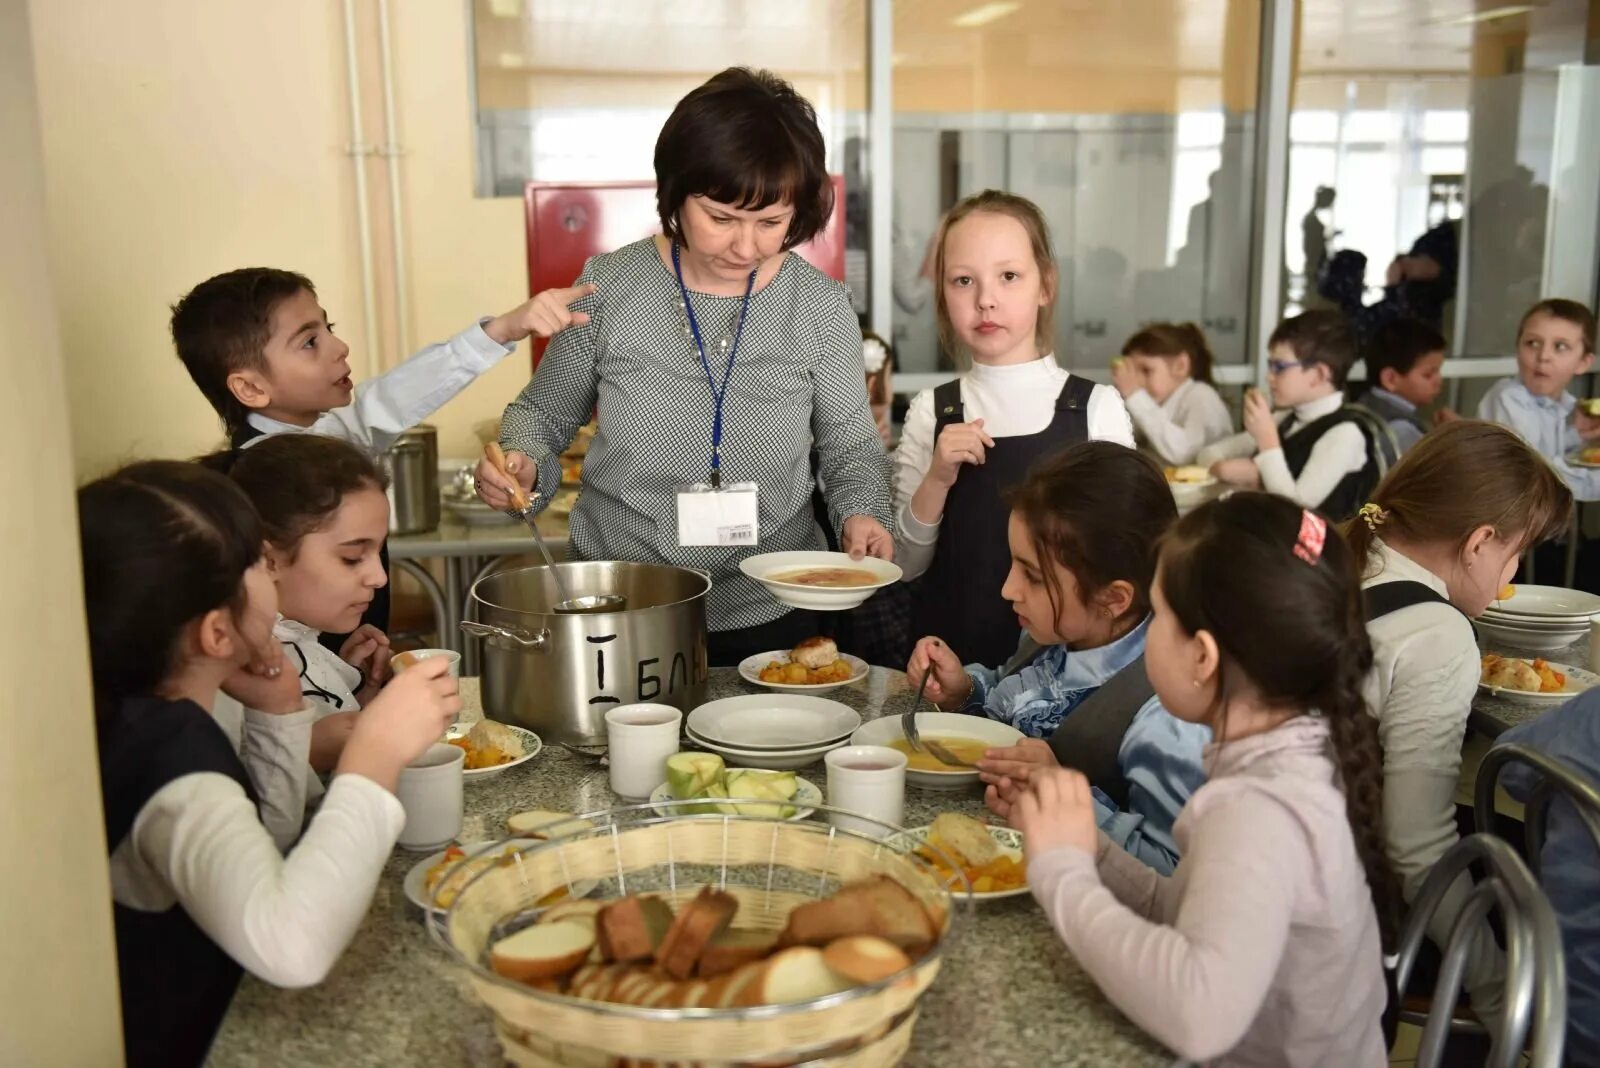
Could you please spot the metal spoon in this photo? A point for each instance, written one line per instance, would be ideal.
(908, 718)
(588, 757)
(522, 504)
(945, 756)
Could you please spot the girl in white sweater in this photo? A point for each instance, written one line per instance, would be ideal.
(1435, 555)
(180, 606)
(1164, 377)
(967, 441)
(1263, 947)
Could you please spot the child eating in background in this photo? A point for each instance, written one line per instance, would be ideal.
(1164, 377)
(1404, 359)
(973, 437)
(1082, 532)
(180, 607)
(1265, 946)
(1317, 453)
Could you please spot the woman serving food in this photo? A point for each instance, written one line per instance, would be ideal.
(714, 360)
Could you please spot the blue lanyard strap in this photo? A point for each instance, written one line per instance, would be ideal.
(717, 394)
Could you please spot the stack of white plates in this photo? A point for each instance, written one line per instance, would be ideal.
(776, 731)
(1538, 619)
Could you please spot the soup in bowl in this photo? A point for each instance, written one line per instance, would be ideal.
(967, 737)
(828, 582)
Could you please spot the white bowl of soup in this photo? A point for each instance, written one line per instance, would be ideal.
(829, 582)
(965, 736)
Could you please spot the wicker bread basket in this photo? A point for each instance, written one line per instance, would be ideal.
(770, 866)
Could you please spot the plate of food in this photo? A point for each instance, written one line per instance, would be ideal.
(989, 856)
(828, 582)
(702, 777)
(813, 666)
(1536, 680)
(1588, 456)
(493, 747)
(440, 876)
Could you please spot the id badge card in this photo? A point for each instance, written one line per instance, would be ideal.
(726, 516)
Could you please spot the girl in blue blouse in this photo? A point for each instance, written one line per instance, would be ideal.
(1083, 536)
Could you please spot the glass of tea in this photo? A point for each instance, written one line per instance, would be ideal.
(871, 780)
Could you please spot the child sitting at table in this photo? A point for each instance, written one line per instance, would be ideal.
(1404, 360)
(1164, 376)
(1318, 453)
(1265, 945)
(179, 606)
(322, 505)
(1433, 557)
(1083, 533)
(259, 346)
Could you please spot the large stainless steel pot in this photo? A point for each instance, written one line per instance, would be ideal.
(558, 673)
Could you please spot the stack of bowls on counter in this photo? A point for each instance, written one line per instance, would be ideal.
(776, 731)
(1537, 619)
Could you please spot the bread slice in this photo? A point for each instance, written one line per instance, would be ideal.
(865, 958)
(583, 908)
(795, 974)
(735, 984)
(543, 824)
(696, 924)
(876, 906)
(543, 951)
(632, 928)
(968, 839)
(732, 949)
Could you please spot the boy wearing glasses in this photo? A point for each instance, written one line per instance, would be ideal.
(1312, 449)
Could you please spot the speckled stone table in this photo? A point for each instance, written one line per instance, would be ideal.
(1009, 994)
(1494, 716)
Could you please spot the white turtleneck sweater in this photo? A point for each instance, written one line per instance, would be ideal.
(1337, 453)
(1192, 417)
(1013, 400)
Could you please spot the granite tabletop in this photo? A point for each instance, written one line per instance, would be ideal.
(1008, 994)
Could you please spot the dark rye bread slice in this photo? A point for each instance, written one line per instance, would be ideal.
(696, 924)
(877, 906)
(633, 928)
(732, 949)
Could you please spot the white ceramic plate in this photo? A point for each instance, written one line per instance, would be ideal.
(773, 722)
(1578, 680)
(991, 732)
(806, 794)
(790, 760)
(821, 598)
(1531, 641)
(1010, 844)
(416, 881)
(531, 745)
(750, 671)
(1546, 602)
(1573, 459)
(1516, 622)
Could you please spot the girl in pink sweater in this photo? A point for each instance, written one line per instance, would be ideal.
(1263, 946)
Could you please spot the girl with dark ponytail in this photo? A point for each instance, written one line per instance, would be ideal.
(1164, 376)
(1265, 945)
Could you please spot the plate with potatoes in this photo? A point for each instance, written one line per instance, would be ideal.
(988, 855)
(1534, 681)
(813, 666)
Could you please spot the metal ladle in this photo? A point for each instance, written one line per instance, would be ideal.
(522, 504)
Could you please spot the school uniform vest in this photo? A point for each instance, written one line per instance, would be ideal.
(1351, 491)
(377, 612)
(176, 982)
(1389, 411)
(958, 598)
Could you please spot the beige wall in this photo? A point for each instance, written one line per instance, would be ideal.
(185, 139)
(58, 992)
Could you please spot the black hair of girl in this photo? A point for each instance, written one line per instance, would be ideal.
(297, 481)
(163, 542)
(1099, 509)
(1295, 629)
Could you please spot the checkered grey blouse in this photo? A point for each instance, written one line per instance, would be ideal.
(797, 381)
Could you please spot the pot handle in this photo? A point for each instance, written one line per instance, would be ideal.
(508, 638)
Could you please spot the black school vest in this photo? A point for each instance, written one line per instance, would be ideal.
(176, 982)
(958, 598)
(377, 612)
(1351, 491)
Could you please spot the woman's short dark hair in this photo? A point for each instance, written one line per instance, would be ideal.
(745, 138)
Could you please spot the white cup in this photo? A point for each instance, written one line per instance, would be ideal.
(639, 739)
(871, 780)
(430, 790)
(400, 661)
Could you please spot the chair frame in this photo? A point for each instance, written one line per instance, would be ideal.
(1554, 775)
(1536, 983)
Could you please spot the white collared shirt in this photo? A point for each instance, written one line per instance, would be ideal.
(1177, 429)
(1339, 452)
(1013, 400)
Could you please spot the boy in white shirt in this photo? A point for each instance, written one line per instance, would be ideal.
(1317, 453)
